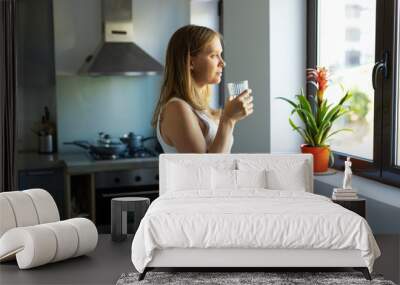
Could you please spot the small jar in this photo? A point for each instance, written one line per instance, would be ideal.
(45, 143)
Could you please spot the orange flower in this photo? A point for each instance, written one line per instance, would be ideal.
(319, 78)
(322, 78)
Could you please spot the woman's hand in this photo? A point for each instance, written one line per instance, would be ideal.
(239, 107)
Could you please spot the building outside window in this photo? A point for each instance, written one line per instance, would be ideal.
(351, 38)
(353, 34)
(352, 58)
(353, 10)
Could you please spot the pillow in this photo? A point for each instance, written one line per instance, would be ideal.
(223, 179)
(295, 180)
(234, 179)
(281, 173)
(183, 177)
(251, 178)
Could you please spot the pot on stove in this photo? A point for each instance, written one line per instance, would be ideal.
(101, 149)
(107, 140)
(135, 142)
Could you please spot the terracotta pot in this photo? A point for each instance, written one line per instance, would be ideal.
(320, 154)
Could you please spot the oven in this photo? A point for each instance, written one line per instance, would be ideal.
(123, 183)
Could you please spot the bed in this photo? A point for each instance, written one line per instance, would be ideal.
(245, 211)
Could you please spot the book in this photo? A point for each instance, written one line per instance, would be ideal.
(344, 197)
(341, 190)
(345, 194)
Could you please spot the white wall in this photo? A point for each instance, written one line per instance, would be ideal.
(205, 13)
(287, 30)
(246, 51)
(77, 32)
(265, 42)
(154, 22)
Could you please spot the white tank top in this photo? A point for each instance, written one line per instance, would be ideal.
(211, 126)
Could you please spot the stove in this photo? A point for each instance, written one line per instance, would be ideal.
(129, 153)
(135, 179)
(138, 182)
(134, 147)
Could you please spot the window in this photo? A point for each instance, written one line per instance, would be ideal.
(357, 40)
(353, 10)
(352, 58)
(353, 34)
(350, 64)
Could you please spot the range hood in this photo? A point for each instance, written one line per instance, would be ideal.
(117, 54)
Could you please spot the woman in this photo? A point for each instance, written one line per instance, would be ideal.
(183, 118)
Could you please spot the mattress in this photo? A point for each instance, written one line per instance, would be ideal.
(250, 219)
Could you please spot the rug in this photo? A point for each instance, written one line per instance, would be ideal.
(242, 278)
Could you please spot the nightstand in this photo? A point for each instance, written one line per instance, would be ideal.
(356, 205)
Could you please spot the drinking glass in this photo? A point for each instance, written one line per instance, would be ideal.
(235, 88)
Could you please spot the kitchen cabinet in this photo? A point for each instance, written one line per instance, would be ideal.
(77, 32)
(87, 180)
(49, 179)
(80, 196)
(35, 70)
(35, 43)
(71, 179)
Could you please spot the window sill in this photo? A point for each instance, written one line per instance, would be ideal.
(383, 201)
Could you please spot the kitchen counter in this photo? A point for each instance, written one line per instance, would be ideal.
(79, 171)
(34, 160)
(81, 163)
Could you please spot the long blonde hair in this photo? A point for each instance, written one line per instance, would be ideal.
(178, 82)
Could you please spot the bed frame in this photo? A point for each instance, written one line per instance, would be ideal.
(248, 259)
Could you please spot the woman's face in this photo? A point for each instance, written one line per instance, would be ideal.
(207, 65)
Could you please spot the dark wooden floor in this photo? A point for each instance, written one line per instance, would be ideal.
(111, 259)
(103, 266)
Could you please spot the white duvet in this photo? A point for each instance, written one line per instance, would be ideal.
(250, 219)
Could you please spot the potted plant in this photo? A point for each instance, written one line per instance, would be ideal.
(317, 116)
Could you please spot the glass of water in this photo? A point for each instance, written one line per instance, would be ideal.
(235, 88)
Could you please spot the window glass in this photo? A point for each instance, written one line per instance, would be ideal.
(353, 34)
(346, 46)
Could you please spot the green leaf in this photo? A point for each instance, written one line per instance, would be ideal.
(301, 115)
(317, 121)
(324, 130)
(338, 131)
(331, 115)
(287, 100)
(345, 98)
(324, 135)
(299, 130)
(321, 111)
(310, 120)
(310, 137)
(304, 102)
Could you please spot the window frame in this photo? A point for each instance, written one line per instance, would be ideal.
(382, 168)
(390, 172)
